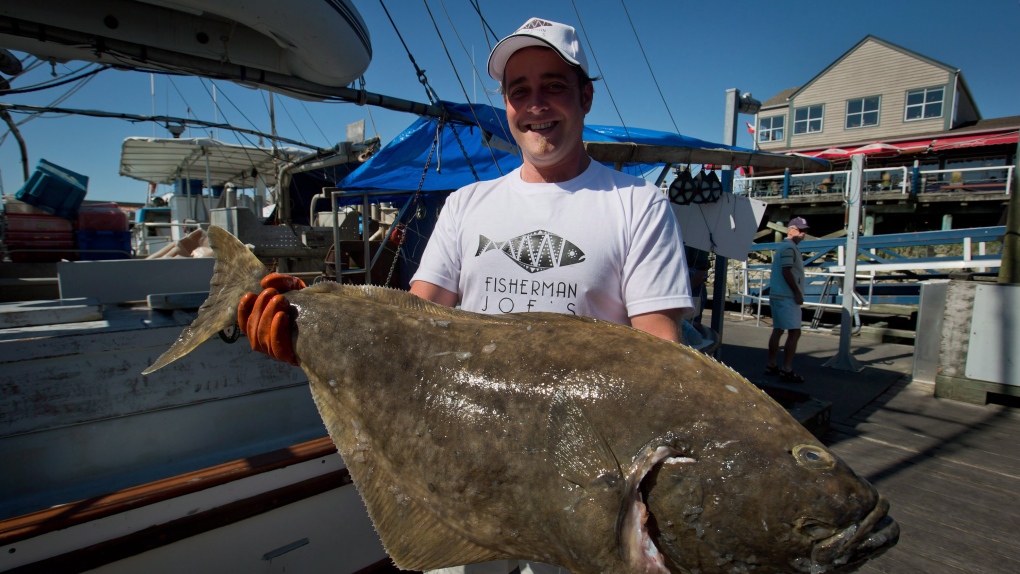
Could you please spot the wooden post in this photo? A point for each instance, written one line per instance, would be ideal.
(1009, 272)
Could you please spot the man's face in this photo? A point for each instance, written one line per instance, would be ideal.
(795, 235)
(545, 106)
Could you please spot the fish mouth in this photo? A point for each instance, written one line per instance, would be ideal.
(636, 544)
(847, 549)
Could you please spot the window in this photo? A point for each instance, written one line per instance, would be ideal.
(771, 129)
(807, 120)
(924, 104)
(862, 112)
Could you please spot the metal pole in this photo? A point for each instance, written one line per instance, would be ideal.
(336, 233)
(722, 263)
(21, 142)
(844, 360)
(365, 228)
(1009, 272)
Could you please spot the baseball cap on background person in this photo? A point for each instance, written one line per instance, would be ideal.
(538, 32)
(799, 223)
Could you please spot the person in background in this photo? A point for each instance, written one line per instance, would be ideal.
(786, 296)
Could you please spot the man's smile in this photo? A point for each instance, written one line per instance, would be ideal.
(538, 127)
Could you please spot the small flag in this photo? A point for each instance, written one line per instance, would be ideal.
(750, 128)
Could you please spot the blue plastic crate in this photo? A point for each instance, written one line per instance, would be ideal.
(55, 190)
(104, 245)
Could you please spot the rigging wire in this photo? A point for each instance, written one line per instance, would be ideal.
(645, 56)
(463, 90)
(56, 83)
(503, 127)
(291, 118)
(231, 102)
(85, 80)
(592, 50)
(429, 92)
(315, 123)
(369, 110)
(485, 24)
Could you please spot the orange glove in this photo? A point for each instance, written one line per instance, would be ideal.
(265, 317)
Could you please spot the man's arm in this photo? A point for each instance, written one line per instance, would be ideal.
(664, 324)
(794, 287)
(434, 293)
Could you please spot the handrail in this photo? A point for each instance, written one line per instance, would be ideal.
(793, 184)
(860, 303)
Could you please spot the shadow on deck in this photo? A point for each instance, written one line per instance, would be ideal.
(950, 470)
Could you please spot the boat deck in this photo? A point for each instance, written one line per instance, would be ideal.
(950, 470)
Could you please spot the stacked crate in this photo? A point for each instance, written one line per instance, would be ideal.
(38, 220)
(32, 235)
(103, 232)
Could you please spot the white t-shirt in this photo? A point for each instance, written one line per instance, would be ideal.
(604, 245)
(787, 255)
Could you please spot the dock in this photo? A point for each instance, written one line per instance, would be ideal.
(951, 470)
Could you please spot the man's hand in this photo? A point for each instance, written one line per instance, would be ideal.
(265, 317)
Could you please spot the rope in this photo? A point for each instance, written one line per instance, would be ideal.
(592, 50)
(429, 92)
(414, 203)
(463, 90)
(485, 24)
(453, 128)
(647, 63)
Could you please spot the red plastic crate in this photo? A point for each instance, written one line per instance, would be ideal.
(102, 217)
(33, 223)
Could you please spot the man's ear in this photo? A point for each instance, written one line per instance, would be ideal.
(587, 95)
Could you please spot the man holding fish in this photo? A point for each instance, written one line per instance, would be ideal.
(576, 237)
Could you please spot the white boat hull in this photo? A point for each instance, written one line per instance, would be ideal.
(322, 42)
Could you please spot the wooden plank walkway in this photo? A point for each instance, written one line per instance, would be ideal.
(951, 472)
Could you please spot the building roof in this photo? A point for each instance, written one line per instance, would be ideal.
(783, 98)
(993, 131)
(779, 100)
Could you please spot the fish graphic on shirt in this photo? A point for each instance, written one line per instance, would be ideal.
(535, 251)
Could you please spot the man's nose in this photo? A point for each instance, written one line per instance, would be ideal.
(536, 102)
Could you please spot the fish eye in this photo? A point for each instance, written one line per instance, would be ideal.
(814, 457)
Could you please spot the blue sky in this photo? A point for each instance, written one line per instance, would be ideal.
(697, 50)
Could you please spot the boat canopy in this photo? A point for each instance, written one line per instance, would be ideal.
(166, 160)
(489, 152)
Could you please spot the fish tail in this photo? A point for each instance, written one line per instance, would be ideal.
(236, 271)
(484, 244)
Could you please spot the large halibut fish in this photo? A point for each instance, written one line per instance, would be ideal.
(557, 439)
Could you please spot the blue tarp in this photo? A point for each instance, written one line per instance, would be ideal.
(399, 165)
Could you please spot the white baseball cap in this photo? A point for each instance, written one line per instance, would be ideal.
(538, 32)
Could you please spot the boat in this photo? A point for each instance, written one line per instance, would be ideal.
(299, 47)
(220, 462)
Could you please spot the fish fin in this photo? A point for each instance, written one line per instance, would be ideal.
(411, 533)
(579, 451)
(235, 272)
(386, 296)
